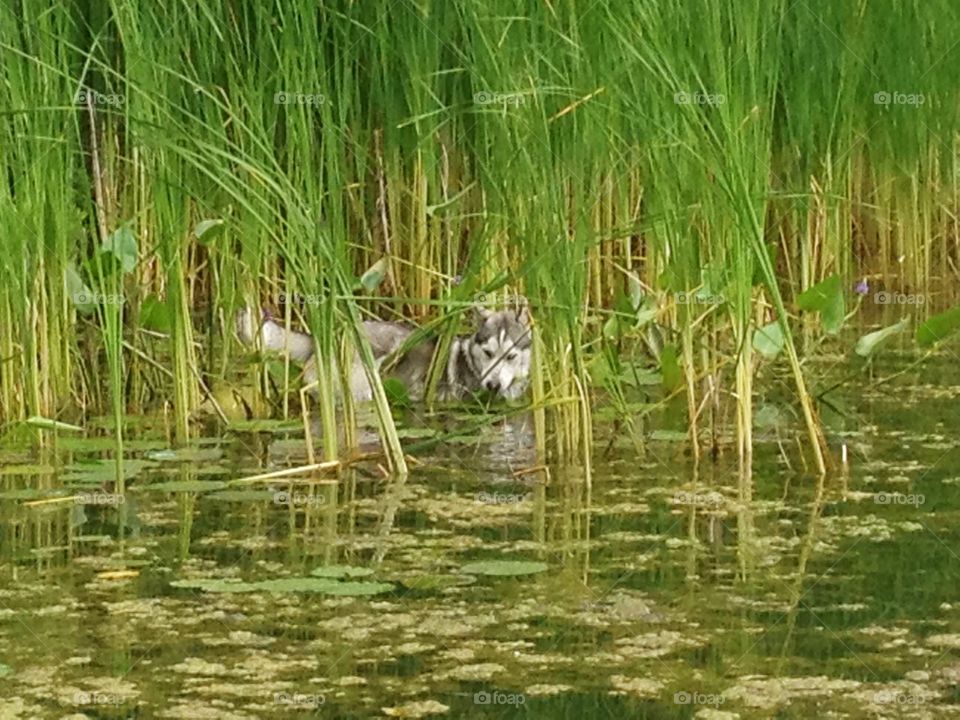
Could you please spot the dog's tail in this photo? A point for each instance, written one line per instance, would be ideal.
(260, 328)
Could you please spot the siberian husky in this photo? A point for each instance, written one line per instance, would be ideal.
(494, 358)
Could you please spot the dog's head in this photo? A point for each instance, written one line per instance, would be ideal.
(500, 350)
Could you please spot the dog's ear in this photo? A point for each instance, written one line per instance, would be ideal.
(480, 313)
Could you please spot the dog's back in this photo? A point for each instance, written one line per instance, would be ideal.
(495, 358)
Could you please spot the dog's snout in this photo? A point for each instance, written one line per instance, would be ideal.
(493, 385)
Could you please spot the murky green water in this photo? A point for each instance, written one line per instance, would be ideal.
(657, 594)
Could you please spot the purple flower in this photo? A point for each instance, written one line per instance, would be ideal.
(862, 288)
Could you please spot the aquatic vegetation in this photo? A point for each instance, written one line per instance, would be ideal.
(731, 488)
(504, 567)
(631, 190)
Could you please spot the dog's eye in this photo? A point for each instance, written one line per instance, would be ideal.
(488, 353)
(512, 356)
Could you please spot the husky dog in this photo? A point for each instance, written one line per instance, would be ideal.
(495, 358)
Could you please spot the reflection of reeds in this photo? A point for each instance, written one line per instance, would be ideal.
(744, 152)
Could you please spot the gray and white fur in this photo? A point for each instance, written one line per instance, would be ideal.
(495, 358)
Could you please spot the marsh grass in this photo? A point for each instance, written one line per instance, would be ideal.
(744, 153)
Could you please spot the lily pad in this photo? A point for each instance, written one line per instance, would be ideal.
(355, 589)
(102, 471)
(182, 486)
(340, 571)
(187, 454)
(266, 425)
(504, 567)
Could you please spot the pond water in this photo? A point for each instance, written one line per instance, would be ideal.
(482, 586)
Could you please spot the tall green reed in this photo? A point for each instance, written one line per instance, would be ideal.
(542, 151)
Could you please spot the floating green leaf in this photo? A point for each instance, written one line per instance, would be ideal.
(768, 340)
(340, 571)
(182, 486)
(869, 342)
(353, 589)
(825, 298)
(504, 567)
(938, 327)
(99, 472)
(185, 454)
(266, 425)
